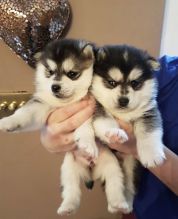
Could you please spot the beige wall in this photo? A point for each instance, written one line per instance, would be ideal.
(29, 175)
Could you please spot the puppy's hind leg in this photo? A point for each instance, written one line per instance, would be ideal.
(129, 167)
(108, 169)
(71, 174)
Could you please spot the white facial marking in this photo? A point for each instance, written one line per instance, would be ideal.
(135, 73)
(72, 90)
(68, 65)
(138, 100)
(51, 64)
(115, 74)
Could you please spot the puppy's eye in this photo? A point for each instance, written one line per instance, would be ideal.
(73, 75)
(135, 84)
(112, 83)
(51, 72)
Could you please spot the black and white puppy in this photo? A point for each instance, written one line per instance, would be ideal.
(63, 75)
(124, 84)
(125, 87)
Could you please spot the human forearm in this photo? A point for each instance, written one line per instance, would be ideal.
(167, 172)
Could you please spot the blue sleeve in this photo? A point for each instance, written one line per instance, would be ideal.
(168, 100)
(154, 200)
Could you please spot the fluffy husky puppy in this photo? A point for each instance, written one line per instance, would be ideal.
(63, 75)
(125, 87)
(124, 84)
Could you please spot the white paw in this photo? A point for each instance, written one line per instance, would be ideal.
(89, 147)
(67, 208)
(130, 209)
(152, 159)
(116, 135)
(119, 207)
(9, 124)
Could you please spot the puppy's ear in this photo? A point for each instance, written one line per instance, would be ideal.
(100, 54)
(37, 56)
(87, 49)
(154, 64)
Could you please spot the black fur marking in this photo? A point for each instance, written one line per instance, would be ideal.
(114, 151)
(138, 170)
(89, 184)
(103, 185)
(152, 119)
(99, 110)
(60, 50)
(124, 89)
(115, 58)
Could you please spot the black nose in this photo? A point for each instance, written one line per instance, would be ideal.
(55, 88)
(123, 101)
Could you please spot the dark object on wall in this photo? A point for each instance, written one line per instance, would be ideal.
(27, 26)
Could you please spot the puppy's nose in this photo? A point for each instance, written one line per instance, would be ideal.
(123, 101)
(55, 88)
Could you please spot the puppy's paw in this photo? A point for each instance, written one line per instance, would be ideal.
(89, 147)
(119, 207)
(116, 135)
(9, 125)
(152, 159)
(67, 208)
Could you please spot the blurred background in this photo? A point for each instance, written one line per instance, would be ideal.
(29, 175)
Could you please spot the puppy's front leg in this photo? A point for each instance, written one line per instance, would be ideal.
(149, 133)
(108, 131)
(29, 117)
(85, 138)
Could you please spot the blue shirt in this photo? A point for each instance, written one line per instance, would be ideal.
(154, 200)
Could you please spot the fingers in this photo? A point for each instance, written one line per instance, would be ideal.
(63, 113)
(61, 143)
(57, 136)
(128, 127)
(73, 122)
(116, 146)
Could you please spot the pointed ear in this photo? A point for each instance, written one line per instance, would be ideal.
(87, 49)
(154, 64)
(37, 56)
(100, 54)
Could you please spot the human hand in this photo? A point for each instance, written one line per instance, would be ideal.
(128, 147)
(57, 135)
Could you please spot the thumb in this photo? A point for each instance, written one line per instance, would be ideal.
(128, 127)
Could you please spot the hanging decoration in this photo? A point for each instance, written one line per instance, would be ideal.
(26, 26)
